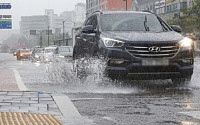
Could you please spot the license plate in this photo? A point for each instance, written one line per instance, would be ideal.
(155, 62)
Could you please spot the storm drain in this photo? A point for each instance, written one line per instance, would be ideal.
(11, 118)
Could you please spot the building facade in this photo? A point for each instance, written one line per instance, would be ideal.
(166, 8)
(80, 13)
(107, 5)
(39, 23)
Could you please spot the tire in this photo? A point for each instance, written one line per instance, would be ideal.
(182, 81)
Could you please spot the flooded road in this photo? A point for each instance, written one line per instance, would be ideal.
(109, 102)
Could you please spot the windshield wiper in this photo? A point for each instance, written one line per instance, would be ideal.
(163, 26)
(145, 24)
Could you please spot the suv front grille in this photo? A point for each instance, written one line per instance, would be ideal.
(144, 52)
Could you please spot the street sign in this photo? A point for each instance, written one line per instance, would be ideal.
(6, 16)
(5, 6)
(5, 24)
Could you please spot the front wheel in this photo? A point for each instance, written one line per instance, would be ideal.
(182, 81)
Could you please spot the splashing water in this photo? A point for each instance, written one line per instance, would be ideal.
(85, 76)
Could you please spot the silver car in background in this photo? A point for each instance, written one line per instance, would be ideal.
(50, 54)
(65, 52)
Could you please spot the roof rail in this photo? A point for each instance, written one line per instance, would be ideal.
(97, 11)
(148, 11)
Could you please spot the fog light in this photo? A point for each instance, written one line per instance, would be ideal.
(116, 61)
(186, 61)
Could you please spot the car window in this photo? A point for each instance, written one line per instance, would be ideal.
(94, 22)
(131, 22)
(89, 21)
(24, 51)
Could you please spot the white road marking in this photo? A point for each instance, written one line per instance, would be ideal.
(84, 99)
(66, 106)
(70, 112)
(20, 83)
(194, 114)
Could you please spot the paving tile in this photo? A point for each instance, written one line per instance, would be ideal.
(4, 103)
(30, 102)
(4, 110)
(29, 108)
(15, 93)
(12, 101)
(20, 104)
(43, 109)
(39, 105)
(46, 99)
(54, 109)
(22, 99)
(18, 110)
(8, 107)
(34, 99)
(3, 93)
(46, 102)
(53, 106)
(39, 111)
(5, 97)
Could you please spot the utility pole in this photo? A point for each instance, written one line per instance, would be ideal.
(41, 40)
(48, 35)
(126, 4)
(63, 31)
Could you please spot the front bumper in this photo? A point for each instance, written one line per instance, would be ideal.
(133, 68)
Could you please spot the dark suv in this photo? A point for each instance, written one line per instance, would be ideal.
(137, 45)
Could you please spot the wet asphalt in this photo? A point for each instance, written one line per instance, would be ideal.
(108, 102)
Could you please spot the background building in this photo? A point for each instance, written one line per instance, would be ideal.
(80, 13)
(107, 5)
(39, 23)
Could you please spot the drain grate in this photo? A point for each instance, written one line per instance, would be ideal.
(11, 118)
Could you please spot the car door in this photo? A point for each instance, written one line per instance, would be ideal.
(90, 39)
(81, 47)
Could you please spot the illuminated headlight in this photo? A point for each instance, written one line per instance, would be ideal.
(61, 56)
(21, 54)
(112, 43)
(15, 53)
(186, 43)
(36, 56)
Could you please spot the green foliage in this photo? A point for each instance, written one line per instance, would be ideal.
(190, 22)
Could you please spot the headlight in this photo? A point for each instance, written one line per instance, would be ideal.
(112, 43)
(186, 43)
(61, 56)
(21, 54)
(36, 56)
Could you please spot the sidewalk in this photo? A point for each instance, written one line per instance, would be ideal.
(41, 103)
(34, 108)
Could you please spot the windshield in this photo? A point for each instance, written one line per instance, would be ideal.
(38, 50)
(25, 51)
(131, 22)
(50, 50)
(65, 49)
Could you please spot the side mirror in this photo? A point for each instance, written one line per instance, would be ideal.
(176, 28)
(88, 29)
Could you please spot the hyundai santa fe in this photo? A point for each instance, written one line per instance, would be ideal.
(137, 45)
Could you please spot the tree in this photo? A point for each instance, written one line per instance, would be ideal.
(190, 22)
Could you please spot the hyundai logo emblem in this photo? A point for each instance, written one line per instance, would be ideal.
(154, 49)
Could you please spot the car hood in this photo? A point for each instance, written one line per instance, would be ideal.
(145, 36)
(26, 53)
(66, 53)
